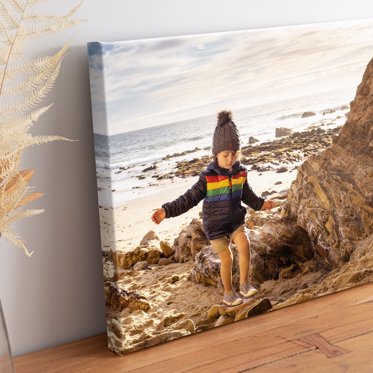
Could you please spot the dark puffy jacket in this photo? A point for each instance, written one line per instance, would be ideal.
(222, 192)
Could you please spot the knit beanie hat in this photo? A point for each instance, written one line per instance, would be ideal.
(226, 135)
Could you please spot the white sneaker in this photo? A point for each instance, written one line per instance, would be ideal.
(247, 290)
(232, 299)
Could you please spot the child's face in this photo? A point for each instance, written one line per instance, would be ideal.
(227, 158)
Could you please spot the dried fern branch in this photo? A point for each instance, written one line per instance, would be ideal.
(23, 87)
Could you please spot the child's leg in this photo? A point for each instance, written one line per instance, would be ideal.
(221, 247)
(243, 247)
(226, 260)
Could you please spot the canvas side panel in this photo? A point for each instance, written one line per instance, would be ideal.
(102, 155)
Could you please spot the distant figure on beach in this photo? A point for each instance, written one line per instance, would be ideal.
(222, 186)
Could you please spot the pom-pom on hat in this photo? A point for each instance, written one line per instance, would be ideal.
(226, 135)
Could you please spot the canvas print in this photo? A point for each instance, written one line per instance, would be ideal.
(234, 174)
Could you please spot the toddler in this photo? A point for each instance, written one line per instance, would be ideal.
(222, 186)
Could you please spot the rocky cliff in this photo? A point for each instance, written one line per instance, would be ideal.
(332, 197)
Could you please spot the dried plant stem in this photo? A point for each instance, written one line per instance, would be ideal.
(7, 63)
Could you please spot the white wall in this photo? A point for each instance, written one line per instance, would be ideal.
(56, 296)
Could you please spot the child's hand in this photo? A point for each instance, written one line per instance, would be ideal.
(268, 204)
(159, 215)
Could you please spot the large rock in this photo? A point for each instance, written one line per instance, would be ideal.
(219, 315)
(206, 270)
(190, 241)
(119, 300)
(280, 246)
(282, 131)
(278, 249)
(126, 259)
(332, 197)
(167, 250)
(256, 218)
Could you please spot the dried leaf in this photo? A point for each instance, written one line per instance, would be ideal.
(24, 175)
(31, 197)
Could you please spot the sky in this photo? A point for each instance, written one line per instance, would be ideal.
(143, 83)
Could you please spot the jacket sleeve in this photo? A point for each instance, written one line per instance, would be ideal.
(250, 198)
(188, 200)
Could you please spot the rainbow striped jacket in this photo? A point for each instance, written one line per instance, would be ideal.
(222, 193)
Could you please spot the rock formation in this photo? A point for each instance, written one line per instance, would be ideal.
(332, 197)
(278, 249)
(220, 314)
(118, 299)
(281, 131)
(307, 114)
(190, 241)
(125, 260)
(252, 140)
(207, 269)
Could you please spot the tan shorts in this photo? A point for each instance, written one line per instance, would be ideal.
(222, 243)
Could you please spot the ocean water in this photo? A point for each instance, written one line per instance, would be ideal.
(122, 158)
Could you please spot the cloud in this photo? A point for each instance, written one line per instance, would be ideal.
(147, 82)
